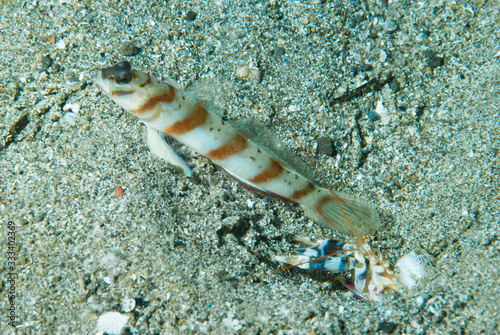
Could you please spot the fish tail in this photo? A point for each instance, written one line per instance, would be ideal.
(344, 212)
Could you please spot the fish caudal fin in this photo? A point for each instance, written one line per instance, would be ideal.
(346, 213)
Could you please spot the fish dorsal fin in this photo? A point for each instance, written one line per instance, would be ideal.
(262, 136)
(212, 91)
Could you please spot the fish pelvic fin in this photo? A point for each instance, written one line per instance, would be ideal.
(159, 147)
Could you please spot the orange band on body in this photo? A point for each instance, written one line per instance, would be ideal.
(228, 149)
(271, 172)
(195, 119)
(151, 103)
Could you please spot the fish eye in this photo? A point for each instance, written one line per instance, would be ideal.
(123, 77)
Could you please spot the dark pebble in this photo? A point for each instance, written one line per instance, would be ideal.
(325, 146)
(57, 68)
(373, 116)
(457, 304)
(435, 62)
(429, 53)
(190, 16)
(139, 302)
(39, 216)
(359, 18)
(394, 85)
(45, 63)
(387, 327)
(73, 79)
(279, 51)
(366, 67)
(129, 49)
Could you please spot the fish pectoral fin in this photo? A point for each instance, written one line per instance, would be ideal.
(159, 147)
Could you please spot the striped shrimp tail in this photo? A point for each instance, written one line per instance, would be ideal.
(346, 213)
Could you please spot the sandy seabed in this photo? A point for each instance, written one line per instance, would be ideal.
(176, 255)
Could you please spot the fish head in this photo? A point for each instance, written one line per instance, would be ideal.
(127, 87)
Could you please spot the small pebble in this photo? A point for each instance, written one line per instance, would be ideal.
(45, 63)
(485, 241)
(304, 20)
(75, 108)
(39, 216)
(383, 112)
(129, 49)
(389, 26)
(433, 61)
(119, 192)
(279, 51)
(256, 76)
(373, 116)
(72, 80)
(111, 323)
(128, 305)
(70, 118)
(394, 85)
(61, 45)
(365, 67)
(359, 18)
(190, 16)
(325, 146)
(382, 56)
(56, 68)
(243, 71)
(387, 327)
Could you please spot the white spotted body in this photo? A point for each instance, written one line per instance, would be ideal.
(166, 111)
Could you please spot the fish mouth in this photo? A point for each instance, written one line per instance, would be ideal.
(98, 75)
(99, 80)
